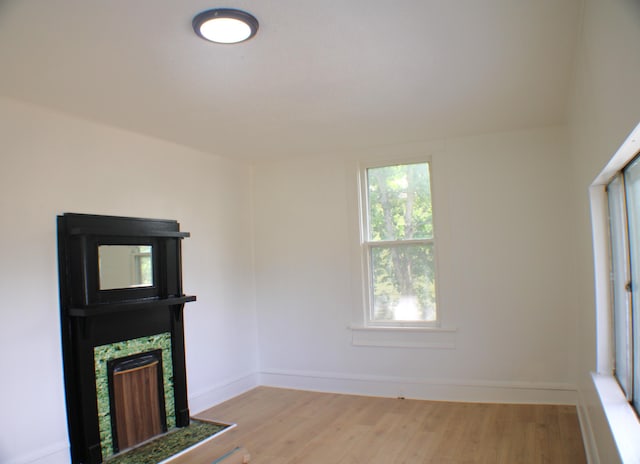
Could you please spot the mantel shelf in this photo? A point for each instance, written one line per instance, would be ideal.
(112, 308)
(78, 231)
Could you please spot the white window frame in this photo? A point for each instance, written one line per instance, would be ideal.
(621, 416)
(366, 245)
(623, 282)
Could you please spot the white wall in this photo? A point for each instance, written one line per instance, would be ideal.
(52, 164)
(605, 107)
(514, 244)
(503, 228)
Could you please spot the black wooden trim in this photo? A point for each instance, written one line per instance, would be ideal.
(90, 317)
(92, 231)
(111, 308)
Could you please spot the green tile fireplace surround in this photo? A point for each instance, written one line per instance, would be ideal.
(104, 353)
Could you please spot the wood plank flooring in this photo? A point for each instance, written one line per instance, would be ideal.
(280, 426)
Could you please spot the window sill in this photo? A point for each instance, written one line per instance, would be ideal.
(622, 419)
(404, 337)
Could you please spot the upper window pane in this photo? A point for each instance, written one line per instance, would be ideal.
(399, 202)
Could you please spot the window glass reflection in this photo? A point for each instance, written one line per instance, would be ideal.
(125, 266)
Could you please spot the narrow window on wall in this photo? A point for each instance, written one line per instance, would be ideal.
(398, 245)
(623, 193)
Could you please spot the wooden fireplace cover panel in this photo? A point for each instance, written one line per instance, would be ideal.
(137, 405)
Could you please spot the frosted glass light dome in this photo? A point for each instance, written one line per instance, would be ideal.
(225, 25)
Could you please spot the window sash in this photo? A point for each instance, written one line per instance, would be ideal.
(623, 197)
(414, 305)
(620, 279)
(365, 203)
(632, 195)
(413, 241)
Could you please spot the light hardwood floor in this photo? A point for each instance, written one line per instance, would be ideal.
(280, 426)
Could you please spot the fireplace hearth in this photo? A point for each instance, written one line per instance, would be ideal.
(121, 307)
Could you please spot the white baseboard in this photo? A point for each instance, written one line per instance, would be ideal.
(227, 389)
(57, 453)
(588, 438)
(425, 389)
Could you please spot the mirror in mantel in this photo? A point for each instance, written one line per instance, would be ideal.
(125, 266)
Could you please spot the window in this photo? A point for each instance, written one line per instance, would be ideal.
(615, 208)
(623, 195)
(398, 245)
(142, 264)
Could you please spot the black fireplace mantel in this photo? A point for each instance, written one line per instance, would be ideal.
(95, 313)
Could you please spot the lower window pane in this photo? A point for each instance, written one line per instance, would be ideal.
(403, 283)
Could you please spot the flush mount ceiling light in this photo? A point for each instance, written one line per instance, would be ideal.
(225, 25)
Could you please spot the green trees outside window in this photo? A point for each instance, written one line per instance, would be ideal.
(400, 243)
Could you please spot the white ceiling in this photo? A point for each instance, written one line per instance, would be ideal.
(320, 76)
